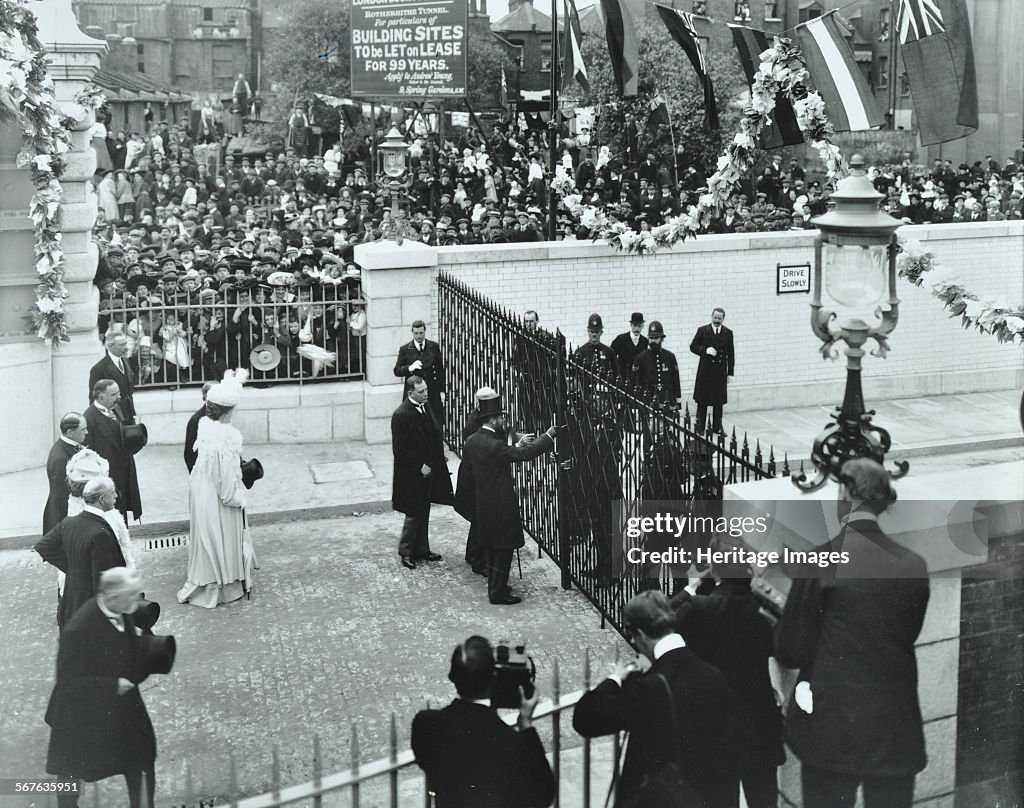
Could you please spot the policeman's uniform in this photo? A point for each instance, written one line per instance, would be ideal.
(658, 371)
(598, 358)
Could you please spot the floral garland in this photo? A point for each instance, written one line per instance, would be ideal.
(993, 316)
(782, 73)
(27, 98)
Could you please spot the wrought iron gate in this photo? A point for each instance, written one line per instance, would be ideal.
(617, 446)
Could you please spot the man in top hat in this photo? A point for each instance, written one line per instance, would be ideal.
(594, 354)
(465, 501)
(98, 722)
(106, 437)
(495, 505)
(82, 546)
(657, 369)
(713, 343)
(422, 357)
(628, 345)
(421, 474)
(73, 431)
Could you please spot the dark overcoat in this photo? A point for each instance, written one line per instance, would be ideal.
(82, 547)
(415, 442)
(473, 759)
(106, 438)
(497, 506)
(96, 733)
(658, 371)
(852, 636)
(106, 369)
(432, 371)
(191, 433)
(625, 351)
(713, 372)
(707, 724)
(57, 473)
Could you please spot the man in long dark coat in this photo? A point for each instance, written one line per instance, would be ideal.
(115, 365)
(422, 357)
(629, 344)
(465, 499)
(713, 343)
(497, 507)
(99, 724)
(83, 547)
(73, 431)
(192, 431)
(106, 438)
(421, 471)
(656, 369)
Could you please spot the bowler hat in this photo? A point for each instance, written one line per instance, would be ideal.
(492, 406)
(252, 470)
(636, 318)
(135, 437)
(155, 655)
(655, 329)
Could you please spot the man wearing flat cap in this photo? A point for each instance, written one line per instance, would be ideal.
(99, 726)
(495, 504)
(629, 344)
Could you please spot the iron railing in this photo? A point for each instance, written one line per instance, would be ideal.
(279, 336)
(618, 448)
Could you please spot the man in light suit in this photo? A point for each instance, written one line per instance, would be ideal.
(99, 726)
(115, 365)
(854, 719)
(713, 343)
(106, 438)
(73, 431)
(82, 547)
(420, 473)
(470, 756)
(422, 357)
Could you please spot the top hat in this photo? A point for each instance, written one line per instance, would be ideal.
(595, 323)
(146, 614)
(492, 406)
(636, 318)
(135, 437)
(155, 655)
(252, 470)
(655, 329)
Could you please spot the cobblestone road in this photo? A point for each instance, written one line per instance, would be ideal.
(337, 632)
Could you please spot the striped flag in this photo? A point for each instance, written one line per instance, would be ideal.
(848, 100)
(938, 55)
(681, 26)
(623, 48)
(573, 68)
(784, 130)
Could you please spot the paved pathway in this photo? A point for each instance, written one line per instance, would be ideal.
(337, 633)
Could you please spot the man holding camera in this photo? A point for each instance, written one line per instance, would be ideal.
(99, 724)
(470, 756)
(494, 496)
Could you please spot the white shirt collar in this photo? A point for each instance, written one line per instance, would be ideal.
(417, 406)
(484, 702)
(66, 439)
(489, 428)
(116, 619)
(102, 409)
(670, 642)
(634, 337)
(95, 510)
(118, 363)
(419, 345)
(861, 516)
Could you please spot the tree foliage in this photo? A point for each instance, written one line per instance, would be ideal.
(484, 62)
(666, 73)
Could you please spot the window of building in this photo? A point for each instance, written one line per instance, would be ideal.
(883, 24)
(771, 10)
(700, 8)
(518, 52)
(810, 13)
(904, 85)
(224, 70)
(140, 53)
(207, 14)
(741, 12)
(883, 73)
(545, 54)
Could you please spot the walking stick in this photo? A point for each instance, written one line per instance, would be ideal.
(519, 561)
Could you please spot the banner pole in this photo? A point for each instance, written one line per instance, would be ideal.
(553, 125)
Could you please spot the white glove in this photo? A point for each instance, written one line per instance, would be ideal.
(417, 365)
(711, 352)
(803, 697)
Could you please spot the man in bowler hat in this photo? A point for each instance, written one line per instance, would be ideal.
(629, 344)
(713, 343)
(496, 505)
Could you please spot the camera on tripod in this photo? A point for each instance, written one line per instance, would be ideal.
(513, 669)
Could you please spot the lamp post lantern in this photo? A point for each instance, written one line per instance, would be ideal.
(393, 176)
(855, 266)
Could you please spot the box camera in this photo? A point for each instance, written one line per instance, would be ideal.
(512, 669)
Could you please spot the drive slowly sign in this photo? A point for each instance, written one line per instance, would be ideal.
(792, 278)
(402, 48)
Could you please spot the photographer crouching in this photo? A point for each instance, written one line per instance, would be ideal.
(471, 757)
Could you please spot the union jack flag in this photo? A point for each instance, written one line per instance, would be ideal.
(916, 19)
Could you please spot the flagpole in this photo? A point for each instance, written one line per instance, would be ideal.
(893, 42)
(553, 124)
(672, 136)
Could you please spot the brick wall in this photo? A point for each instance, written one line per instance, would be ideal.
(778, 363)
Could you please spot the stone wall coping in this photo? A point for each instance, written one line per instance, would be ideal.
(389, 255)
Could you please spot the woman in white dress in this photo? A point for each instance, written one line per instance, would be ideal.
(219, 569)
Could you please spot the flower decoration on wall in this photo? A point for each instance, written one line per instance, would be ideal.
(991, 315)
(782, 72)
(27, 99)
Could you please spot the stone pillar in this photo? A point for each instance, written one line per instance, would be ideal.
(398, 282)
(74, 59)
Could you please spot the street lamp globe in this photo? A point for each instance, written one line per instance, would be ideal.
(394, 154)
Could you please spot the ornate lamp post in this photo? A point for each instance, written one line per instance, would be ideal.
(393, 175)
(856, 253)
